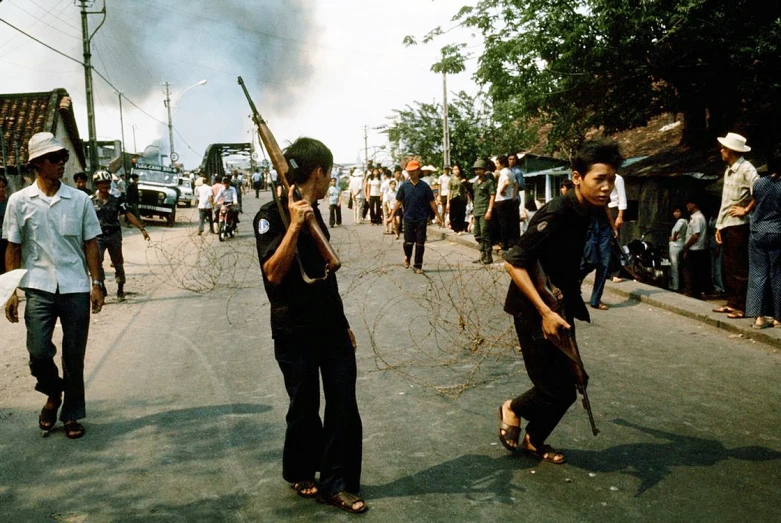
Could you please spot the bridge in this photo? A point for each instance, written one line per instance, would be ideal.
(212, 165)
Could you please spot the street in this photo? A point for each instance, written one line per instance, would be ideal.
(186, 406)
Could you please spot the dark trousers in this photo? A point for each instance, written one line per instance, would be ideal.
(553, 389)
(415, 235)
(375, 209)
(458, 214)
(597, 255)
(3, 246)
(734, 248)
(113, 244)
(764, 275)
(40, 316)
(334, 445)
(482, 236)
(334, 215)
(509, 219)
(256, 186)
(205, 215)
(696, 273)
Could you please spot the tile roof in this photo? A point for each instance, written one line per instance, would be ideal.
(25, 114)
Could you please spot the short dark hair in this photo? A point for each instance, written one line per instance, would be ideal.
(597, 151)
(568, 184)
(774, 160)
(3, 180)
(502, 160)
(695, 199)
(80, 176)
(308, 154)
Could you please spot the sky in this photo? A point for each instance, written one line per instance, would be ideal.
(318, 68)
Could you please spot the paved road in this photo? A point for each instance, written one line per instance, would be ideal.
(186, 404)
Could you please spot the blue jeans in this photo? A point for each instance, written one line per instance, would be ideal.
(596, 255)
(40, 317)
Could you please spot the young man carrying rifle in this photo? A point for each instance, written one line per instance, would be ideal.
(312, 337)
(553, 243)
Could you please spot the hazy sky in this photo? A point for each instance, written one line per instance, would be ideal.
(320, 68)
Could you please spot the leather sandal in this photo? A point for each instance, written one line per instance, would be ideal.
(74, 429)
(545, 453)
(736, 314)
(301, 486)
(723, 309)
(48, 417)
(345, 501)
(512, 433)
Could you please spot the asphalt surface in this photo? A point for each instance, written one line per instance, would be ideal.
(186, 405)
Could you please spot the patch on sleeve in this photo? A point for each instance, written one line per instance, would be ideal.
(541, 226)
(263, 226)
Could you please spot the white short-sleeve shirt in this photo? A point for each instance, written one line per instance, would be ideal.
(52, 231)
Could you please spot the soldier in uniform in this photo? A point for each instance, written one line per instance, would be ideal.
(108, 209)
(555, 239)
(312, 338)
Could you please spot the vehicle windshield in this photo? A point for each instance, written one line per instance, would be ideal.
(156, 177)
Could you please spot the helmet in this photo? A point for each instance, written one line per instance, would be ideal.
(101, 176)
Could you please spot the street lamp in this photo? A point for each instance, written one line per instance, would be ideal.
(167, 102)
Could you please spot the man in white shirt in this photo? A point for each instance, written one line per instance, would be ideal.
(696, 258)
(616, 209)
(205, 197)
(52, 232)
(444, 191)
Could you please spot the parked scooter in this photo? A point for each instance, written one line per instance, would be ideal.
(646, 263)
(226, 221)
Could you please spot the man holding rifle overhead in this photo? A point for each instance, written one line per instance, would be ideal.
(312, 337)
(555, 239)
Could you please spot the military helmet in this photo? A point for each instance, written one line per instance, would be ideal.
(101, 176)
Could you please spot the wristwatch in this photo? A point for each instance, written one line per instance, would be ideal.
(97, 283)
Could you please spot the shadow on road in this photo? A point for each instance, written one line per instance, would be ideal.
(652, 462)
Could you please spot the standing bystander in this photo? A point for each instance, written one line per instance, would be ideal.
(205, 197)
(677, 240)
(696, 259)
(334, 204)
(484, 189)
(732, 223)
(59, 260)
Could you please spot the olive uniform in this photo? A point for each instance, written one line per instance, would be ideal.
(311, 338)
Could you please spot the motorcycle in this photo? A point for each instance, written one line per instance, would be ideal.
(646, 263)
(226, 222)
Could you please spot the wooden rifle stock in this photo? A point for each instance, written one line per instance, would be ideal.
(565, 341)
(280, 164)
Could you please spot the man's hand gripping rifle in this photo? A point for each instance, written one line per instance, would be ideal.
(565, 341)
(282, 168)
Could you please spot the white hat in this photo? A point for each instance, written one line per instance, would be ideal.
(42, 143)
(734, 142)
(428, 168)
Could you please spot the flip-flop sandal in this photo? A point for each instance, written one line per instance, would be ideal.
(601, 307)
(74, 430)
(723, 309)
(48, 417)
(735, 315)
(345, 501)
(765, 325)
(301, 486)
(512, 433)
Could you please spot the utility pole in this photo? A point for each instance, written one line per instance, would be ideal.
(366, 147)
(122, 143)
(135, 147)
(445, 128)
(86, 41)
(170, 124)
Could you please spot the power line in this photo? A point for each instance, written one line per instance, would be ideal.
(44, 21)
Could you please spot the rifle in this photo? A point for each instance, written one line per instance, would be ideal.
(332, 262)
(565, 341)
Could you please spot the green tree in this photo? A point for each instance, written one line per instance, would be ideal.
(613, 64)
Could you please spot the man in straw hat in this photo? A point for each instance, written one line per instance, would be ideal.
(732, 223)
(52, 232)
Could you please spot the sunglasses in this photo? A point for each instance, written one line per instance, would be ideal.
(56, 157)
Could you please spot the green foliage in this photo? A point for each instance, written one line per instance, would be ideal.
(613, 64)
(477, 130)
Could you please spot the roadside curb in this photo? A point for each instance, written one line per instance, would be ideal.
(670, 301)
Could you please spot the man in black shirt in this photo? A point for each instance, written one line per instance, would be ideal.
(108, 209)
(132, 196)
(417, 198)
(555, 239)
(311, 336)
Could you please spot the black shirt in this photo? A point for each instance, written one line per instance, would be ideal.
(108, 213)
(556, 237)
(298, 307)
(131, 193)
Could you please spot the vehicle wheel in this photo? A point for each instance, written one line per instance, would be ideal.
(221, 232)
(171, 218)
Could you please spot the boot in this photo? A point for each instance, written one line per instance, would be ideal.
(121, 292)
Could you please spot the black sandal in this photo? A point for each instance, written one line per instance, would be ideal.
(545, 453)
(512, 433)
(48, 416)
(74, 429)
(346, 501)
(301, 486)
